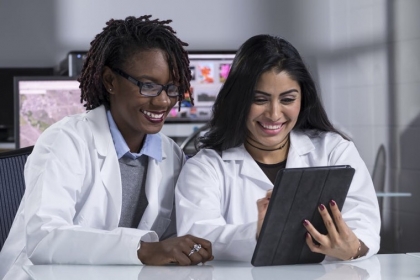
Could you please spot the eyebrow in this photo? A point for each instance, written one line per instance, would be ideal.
(283, 93)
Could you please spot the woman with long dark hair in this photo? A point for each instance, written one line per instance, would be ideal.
(268, 116)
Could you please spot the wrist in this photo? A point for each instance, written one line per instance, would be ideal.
(357, 254)
(362, 251)
(142, 251)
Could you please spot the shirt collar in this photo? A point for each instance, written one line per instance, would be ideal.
(152, 146)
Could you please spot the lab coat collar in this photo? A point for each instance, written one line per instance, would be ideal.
(300, 145)
(99, 124)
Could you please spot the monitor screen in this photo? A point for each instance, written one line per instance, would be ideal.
(209, 70)
(6, 96)
(42, 101)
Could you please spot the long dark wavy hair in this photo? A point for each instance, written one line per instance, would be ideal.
(259, 54)
(118, 42)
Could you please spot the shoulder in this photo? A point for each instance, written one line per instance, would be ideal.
(171, 148)
(318, 138)
(73, 126)
(217, 159)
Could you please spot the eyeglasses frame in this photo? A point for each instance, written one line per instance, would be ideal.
(140, 84)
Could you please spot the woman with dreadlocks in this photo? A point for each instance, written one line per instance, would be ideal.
(100, 185)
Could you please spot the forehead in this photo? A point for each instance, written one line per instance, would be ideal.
(146, 58)
(273, 81)
(150, 63)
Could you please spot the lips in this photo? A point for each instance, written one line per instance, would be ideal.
(271, 128)
(154, 117)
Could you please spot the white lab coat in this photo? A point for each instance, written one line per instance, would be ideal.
(216, 195)
(71, 208)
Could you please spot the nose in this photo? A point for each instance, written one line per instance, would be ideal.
(162, 99)
(274, 111)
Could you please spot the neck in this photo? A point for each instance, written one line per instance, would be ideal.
(267, 155)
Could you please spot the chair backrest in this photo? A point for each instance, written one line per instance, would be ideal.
(12, 187)
(188, 145)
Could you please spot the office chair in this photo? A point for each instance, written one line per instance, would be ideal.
(12, 187)
(188, 145)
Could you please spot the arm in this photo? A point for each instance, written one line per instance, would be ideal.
(68, 215)
(199, 195)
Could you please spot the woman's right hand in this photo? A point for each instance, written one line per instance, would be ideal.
(262, 205)
(177, 250)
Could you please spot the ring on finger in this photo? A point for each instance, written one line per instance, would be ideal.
(196, 248)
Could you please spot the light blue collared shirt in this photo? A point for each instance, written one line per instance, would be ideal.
(152, 146)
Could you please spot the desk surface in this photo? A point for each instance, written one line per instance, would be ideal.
(379, 267)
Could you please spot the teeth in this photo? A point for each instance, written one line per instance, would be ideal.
(271, 126)
(154, 116)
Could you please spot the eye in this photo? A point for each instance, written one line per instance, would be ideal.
(260, 100)
(287, 100)
(149, 86)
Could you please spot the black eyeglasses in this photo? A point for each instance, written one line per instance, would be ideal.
(150, 89)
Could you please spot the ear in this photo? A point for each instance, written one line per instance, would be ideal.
(108, 79)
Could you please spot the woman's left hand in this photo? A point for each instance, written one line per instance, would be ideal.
(340, 242)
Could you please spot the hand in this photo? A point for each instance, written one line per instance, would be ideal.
(340, 242)
(262, 205)
(175, 250)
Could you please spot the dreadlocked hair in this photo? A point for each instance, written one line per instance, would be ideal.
(118, 42)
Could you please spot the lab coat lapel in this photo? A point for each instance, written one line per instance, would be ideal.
(153, 181)
(108, 160)
(300, 146)
(249, 168)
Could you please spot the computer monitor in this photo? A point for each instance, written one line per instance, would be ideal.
(42, 101)
(6, 96)
(209, 70)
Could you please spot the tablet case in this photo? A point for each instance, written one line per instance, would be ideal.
(297, 193)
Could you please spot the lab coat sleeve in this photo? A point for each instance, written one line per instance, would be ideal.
(58, 180)
(198, 197)
(360, 210)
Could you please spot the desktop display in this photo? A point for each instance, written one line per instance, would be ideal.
(42, 101)
(209, 70)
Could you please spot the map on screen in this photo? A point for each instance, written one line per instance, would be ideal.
(42, 102)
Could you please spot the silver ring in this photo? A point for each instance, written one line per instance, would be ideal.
(196, 248)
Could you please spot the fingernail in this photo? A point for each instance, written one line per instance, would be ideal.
(305, 222)
(308, 234)
(321, 207)
(332, 202)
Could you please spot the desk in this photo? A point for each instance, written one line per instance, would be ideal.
(417, 255)
(379, 267)
(393, 194)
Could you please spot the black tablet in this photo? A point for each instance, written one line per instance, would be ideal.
(297, 193)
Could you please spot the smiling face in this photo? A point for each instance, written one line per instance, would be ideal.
(134, 114)
(274, 111)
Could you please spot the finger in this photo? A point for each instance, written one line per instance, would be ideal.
(262, 204)
(202, 255)
(196, 257)
(181, 257)
(205, 244)
(269, 193)
(328, 221)
(338, 218)
(311, 244)
(320, 238)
